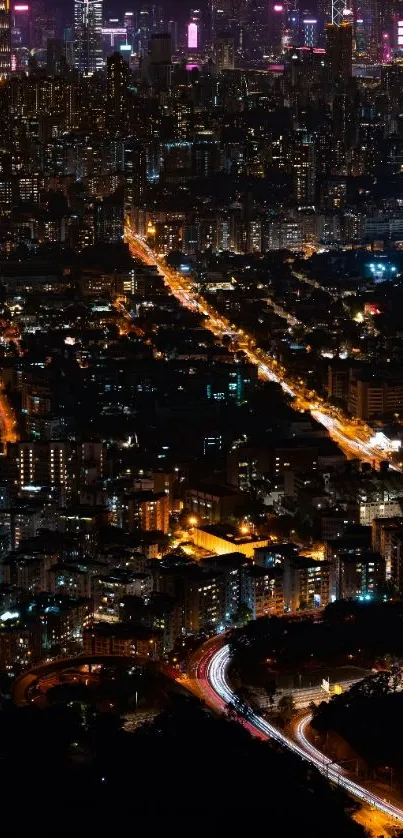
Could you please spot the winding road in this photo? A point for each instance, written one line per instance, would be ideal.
(210, 674)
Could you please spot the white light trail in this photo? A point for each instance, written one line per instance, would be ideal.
(217, 678)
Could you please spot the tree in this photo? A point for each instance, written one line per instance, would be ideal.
(242, 615)
(388, 589)
(271, 691)
(286, 708)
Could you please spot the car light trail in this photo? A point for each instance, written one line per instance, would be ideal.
(212, 674)
(340, 428)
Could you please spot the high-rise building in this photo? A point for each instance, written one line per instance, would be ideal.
(304, 174)
(160, 60)
(88, 36)
(339, 48)
(21, 20)
(369, 26)
(254, 29)
(277, 25)
(192, 35)
(55, 56)
(324, 12)
(5, 39)
(292, 32)
(160, 48)
(172, 28)
(42, 25)
(338, 11)
(149, 511)
(117, 82)
(234, 17)
(212, 20)
(150, 21)
(135, 168)
(224, 52)
(130, 23)
(309, 31)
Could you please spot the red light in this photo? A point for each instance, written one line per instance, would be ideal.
(371, 308)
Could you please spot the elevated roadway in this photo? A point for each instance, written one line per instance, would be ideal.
(209, 679)
(26, 681)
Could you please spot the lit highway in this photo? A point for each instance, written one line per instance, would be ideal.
(8, 432)
(212, 679)
(351, 436)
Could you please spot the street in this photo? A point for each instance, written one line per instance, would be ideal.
(211, 667)
(352, 437)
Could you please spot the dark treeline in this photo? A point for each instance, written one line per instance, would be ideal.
(83, 769)
(350, 633)
(369, 717)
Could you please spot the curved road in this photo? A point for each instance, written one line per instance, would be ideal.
(23, 683)
(212, 682)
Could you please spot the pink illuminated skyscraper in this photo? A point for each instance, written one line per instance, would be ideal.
(193, 35)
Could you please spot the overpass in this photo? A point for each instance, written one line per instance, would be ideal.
(23, 684)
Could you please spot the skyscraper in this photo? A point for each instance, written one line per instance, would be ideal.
(324, 12)
(224, 52)
(42, 24)
(255, 29)
(135, 164)
(369, 15)
(339, 49)
(117, 83)
(160, 48)
(88, 36)
(229, 16)
(304, 172)
(212, 20)
(150, 21)
(309, 31)
(5, 39)
(160, 57)
(338, 9)
(277, 25)
(293, 25)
